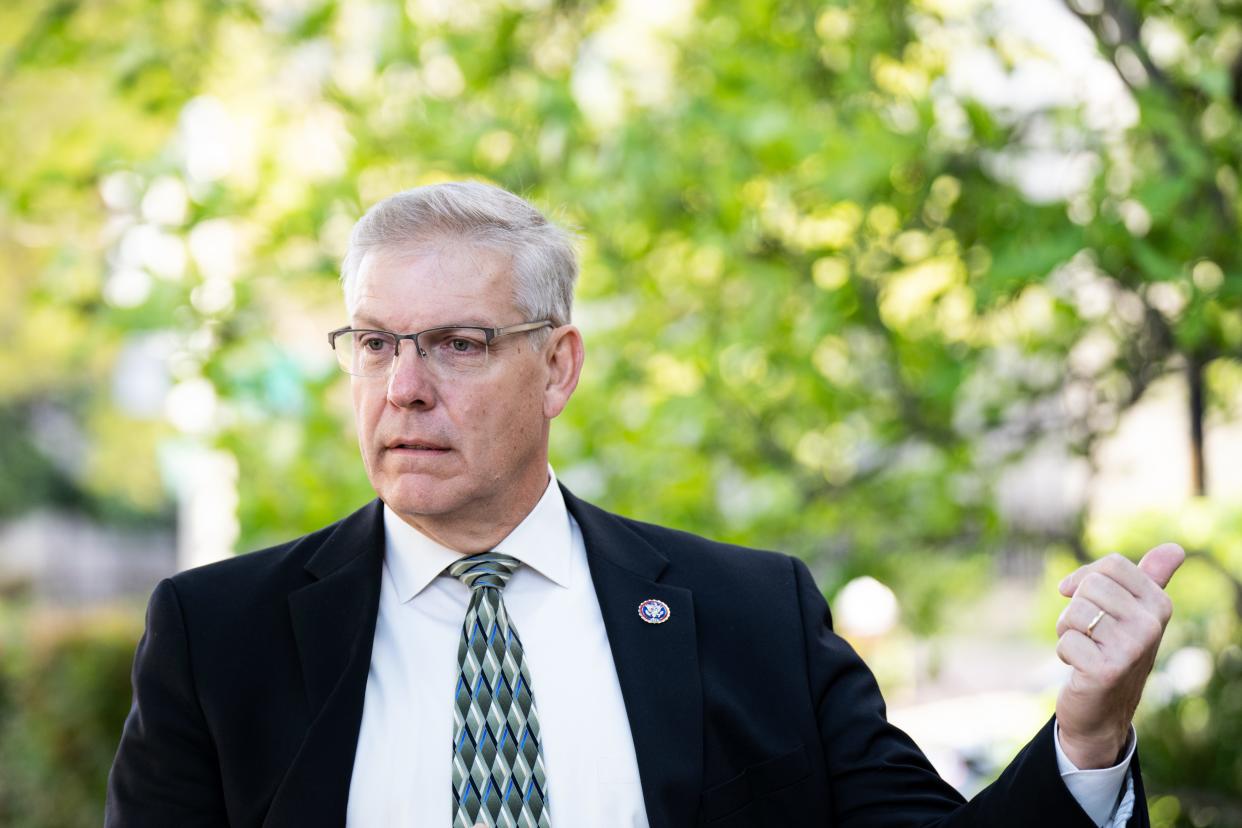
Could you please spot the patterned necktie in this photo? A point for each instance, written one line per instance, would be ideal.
(498, 774)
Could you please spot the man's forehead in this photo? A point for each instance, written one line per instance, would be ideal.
(469, 281)
(448, 255)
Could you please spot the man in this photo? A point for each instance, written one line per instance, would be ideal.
(478, 646)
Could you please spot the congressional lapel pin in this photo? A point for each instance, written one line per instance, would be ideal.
(654, 611)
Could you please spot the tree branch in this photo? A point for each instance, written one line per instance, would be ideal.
(1190, 100)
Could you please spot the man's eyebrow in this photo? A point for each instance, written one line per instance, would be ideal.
(470, 322)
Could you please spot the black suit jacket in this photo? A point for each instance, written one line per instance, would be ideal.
(745, 708)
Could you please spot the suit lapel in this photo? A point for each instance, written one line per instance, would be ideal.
(657, 664)
(333, 622)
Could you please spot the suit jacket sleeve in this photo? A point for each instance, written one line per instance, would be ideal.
(878, 776)
(166, 770)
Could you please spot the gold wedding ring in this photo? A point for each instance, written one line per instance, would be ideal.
(1094, 621)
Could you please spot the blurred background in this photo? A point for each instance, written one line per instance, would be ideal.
(943, 296)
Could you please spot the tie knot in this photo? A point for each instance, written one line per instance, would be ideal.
(486, 569)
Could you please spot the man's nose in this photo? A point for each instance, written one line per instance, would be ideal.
(410, 379)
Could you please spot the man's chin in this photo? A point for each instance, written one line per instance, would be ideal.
(419, 495)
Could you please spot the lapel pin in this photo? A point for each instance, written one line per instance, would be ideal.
(654, 611)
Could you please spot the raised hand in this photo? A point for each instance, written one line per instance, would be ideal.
(1109, 634)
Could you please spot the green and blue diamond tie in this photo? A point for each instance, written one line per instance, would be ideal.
(498, 775)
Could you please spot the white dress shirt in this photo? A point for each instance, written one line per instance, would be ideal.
(402, 772)
(1096, 790)
(403, 764)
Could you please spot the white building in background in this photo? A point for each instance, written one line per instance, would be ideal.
(66, 559)
(70, 560)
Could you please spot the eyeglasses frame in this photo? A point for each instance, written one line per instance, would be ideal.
(489, 334)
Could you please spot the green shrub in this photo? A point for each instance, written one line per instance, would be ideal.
(64, 694)
(1190, 747)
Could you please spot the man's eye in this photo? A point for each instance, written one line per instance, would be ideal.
(455, 343)
(374, 343)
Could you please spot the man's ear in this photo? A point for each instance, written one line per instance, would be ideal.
(564, 354)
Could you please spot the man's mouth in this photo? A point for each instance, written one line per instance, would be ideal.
(417, 446)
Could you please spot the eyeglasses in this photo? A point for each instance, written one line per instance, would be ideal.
(450, 350)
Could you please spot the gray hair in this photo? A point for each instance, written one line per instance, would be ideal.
(545, 266)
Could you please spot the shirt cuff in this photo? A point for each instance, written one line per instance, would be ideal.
(1096, 791)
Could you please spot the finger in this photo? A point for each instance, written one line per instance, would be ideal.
(1108, 595)
(1078, 615)
(1160, 563)
(1070, 582)
(1127, 574)
(1155, 569)
(1078, 651)
(1113, 564)
(1140, 584)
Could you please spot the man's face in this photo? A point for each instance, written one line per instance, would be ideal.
(450, 454)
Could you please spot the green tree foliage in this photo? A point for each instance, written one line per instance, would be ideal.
(64, 693)
(823, 308)
(1192, 757)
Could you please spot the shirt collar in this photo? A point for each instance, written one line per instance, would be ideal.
(541, 541)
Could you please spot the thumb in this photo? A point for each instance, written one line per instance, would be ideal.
(1160, 563)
